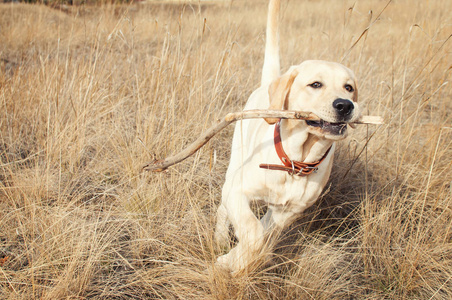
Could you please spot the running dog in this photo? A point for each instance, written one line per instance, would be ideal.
(285, 163)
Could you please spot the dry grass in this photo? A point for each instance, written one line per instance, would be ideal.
(88, 97)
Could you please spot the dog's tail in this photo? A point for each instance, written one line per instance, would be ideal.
(271, 68)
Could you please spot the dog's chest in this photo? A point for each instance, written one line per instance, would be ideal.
(294, 193)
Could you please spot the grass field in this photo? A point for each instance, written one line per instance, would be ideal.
(89, 95)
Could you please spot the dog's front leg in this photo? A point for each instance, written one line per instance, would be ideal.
(249, 231)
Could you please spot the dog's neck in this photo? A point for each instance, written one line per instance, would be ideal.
(302, 145)
(307, 146)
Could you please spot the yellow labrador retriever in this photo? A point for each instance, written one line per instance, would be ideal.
(285, 163)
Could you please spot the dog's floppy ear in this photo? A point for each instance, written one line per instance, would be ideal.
(278, 92)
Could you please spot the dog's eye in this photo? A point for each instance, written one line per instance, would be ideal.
(349, 88)
(316, 85)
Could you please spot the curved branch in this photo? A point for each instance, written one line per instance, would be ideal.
(161, 165)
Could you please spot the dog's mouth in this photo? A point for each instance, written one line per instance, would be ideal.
(327, 127)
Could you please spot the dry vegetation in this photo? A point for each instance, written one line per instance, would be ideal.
(88, 96)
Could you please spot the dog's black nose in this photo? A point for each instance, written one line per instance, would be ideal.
(343, 107)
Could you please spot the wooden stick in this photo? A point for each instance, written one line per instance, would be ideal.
(161, 165)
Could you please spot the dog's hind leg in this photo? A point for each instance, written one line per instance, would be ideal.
(267, 220)
(282, 219)
(222, 226)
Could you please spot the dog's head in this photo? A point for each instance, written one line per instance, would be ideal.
(326, 89)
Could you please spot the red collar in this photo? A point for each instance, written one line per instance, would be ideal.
(293, 167)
